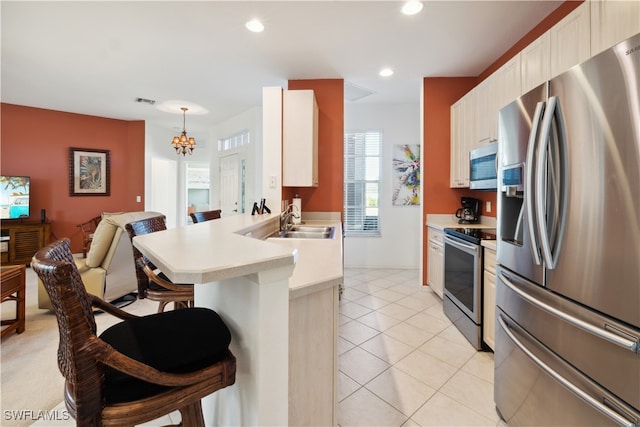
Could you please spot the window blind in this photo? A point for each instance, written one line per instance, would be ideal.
(362, 182)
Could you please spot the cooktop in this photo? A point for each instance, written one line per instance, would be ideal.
(473, 235)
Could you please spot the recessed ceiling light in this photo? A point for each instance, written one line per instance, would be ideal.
(412, 7)
(386, 72)
(255, 26)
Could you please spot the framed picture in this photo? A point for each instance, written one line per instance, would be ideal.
(88, 172)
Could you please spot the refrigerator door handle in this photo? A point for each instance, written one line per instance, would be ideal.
(552, 113)
(607, 335)
(619, 419)
(530, 190)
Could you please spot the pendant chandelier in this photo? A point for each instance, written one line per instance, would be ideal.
(182, 143)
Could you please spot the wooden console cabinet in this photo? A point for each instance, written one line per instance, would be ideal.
(24, 240)
(12, 279)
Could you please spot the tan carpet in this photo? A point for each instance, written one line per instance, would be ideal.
(31, 384)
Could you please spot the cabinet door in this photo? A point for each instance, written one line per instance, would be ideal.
(535, 64)
(24, 243)
(486, 112)
(457, 140)
(300, 139)
(612, 22)
(489, 312)
(482, 113)
(509, 82)
(571, 40)
(462, 137)
(489, 301)
(436, 268)
(435, 264)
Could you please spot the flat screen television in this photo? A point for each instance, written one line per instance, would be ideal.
(14, 196)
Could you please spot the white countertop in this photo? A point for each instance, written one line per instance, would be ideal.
(212, 251)
(442, 221)
(489, 244)
(217, 250)
(319, 261)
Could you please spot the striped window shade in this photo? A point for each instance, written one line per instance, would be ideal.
(362, 183)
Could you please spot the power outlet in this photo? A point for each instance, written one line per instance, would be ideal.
(272, 181)
(487, 207)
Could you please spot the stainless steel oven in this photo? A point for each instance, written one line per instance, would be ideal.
(462, 300)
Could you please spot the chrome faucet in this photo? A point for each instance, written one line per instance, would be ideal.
(286, 216)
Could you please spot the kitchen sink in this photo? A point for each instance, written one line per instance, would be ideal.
(312, 228)
(306, 232)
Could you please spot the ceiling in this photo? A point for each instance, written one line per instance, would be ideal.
(96, 58)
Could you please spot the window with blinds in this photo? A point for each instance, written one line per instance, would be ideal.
(362, 182)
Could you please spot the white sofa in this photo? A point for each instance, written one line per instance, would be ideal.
(108, 270)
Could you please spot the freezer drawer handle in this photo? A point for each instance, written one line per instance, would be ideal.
(597, 405)
(616, 339)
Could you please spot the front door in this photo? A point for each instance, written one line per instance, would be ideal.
(229, 184)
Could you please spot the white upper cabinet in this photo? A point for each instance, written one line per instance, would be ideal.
(509, 83)
(571, 40)
(299, 139)
(486, 128)
(462, 139)
(613, 21)
(535, 63)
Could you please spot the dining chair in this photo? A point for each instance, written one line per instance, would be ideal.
(139, 369)
(87, 229)
(205, 216)
(152, 284)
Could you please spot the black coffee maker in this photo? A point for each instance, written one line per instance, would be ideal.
(469, 213)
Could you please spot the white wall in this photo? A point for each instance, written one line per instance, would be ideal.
(399, 243)
(250, 120)
(170, 195)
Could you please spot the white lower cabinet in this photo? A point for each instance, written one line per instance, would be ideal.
(489, 301)
(313, 358)
(435, 265)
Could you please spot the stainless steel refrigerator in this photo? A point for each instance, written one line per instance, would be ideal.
(568, 248)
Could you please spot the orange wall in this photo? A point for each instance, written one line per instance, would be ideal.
(439, 95)
(328, 196)
(36, 142)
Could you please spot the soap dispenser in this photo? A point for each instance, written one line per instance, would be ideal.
(297, 210)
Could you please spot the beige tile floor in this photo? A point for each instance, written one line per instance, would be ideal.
(402, 362)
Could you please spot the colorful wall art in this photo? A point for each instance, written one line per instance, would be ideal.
(406, 174)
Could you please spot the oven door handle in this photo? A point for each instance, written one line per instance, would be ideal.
(460, 245)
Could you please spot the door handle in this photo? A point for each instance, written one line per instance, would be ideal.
(542, 186)
(530, 186)
(586, 397)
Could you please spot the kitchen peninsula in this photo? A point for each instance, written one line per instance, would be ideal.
(279, 298)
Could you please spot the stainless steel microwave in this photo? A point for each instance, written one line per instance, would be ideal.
(483, 167)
